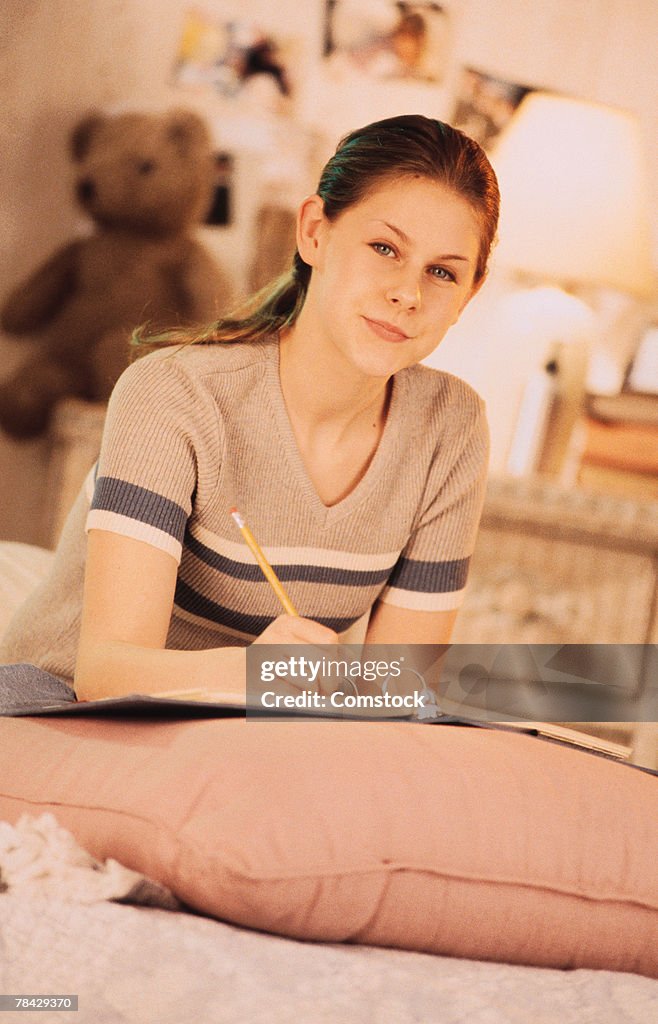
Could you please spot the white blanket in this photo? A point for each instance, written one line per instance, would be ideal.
(41, 860)
(131, 965)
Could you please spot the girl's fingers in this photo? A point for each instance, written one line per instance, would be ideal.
(294, 629)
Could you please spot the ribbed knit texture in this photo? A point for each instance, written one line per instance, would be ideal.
(192, 432)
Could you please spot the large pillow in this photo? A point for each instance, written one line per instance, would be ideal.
(453, 840)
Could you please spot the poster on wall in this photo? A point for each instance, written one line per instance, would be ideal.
(485, 104)
(261, 166)
(388, 39)
(234, 59)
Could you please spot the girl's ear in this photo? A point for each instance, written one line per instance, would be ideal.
(311, 228)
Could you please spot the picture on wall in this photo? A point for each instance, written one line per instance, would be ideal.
(388, 39)
(485, 104)
(232, 58)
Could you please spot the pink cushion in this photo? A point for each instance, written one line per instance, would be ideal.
(456, 841)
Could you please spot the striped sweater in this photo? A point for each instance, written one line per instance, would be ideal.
(192, 432)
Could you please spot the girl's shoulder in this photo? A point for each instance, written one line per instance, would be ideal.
(191, 370)
(189, 384)
(201, 359)
(438, 393)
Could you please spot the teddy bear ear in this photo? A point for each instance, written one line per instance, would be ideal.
(82, 134)
(187, 130)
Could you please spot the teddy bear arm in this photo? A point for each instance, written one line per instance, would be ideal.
(35, 301)
(203, 287)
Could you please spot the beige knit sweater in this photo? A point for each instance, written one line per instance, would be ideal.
(192, 432)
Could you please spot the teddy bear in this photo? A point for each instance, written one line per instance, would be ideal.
(146, 182)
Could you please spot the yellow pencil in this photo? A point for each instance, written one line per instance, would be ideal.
(268, 571)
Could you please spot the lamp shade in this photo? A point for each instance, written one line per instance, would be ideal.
(575, 196)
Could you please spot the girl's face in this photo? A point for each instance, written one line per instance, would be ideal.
(390, 274)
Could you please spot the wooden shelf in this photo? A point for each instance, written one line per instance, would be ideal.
(619, 458)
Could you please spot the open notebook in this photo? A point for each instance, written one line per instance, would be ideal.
(194, 703)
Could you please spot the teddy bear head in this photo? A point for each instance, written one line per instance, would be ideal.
(147, 173)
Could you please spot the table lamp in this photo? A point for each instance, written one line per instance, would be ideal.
(575, 215)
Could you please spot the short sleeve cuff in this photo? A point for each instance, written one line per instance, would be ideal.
(134, 511)
(419, 602)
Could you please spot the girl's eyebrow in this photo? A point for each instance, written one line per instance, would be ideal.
(407, 241)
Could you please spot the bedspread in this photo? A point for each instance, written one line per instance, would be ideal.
(135, 966)
(132, 965)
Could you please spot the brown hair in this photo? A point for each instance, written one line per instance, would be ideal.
(407, 146)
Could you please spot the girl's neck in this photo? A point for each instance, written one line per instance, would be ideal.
(338, 421)
(321, 392)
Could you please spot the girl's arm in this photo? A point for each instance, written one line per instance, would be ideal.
(128, 599)
(421, 639)
(391, 625)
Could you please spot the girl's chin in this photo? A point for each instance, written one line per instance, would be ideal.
(379, 366)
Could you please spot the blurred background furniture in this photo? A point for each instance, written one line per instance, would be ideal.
(556, 566)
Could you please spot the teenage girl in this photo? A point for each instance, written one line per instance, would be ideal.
(360, 471)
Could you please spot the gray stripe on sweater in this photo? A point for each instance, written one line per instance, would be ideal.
(430, 577)
(114, 495)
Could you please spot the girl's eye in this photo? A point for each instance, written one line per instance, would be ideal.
(383, 249)
(442, 274)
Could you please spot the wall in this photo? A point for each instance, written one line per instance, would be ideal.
(61, 57)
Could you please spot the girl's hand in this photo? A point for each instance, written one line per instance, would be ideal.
(292, 629)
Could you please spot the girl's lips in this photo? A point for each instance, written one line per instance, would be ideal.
(385, 330)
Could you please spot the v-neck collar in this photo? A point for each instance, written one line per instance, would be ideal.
(327, 515)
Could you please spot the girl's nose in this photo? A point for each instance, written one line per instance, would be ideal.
(405, 293)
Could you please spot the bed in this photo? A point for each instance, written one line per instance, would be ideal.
(136, 966)
(120, 903)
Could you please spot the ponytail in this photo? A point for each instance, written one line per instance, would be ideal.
(269, 310)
